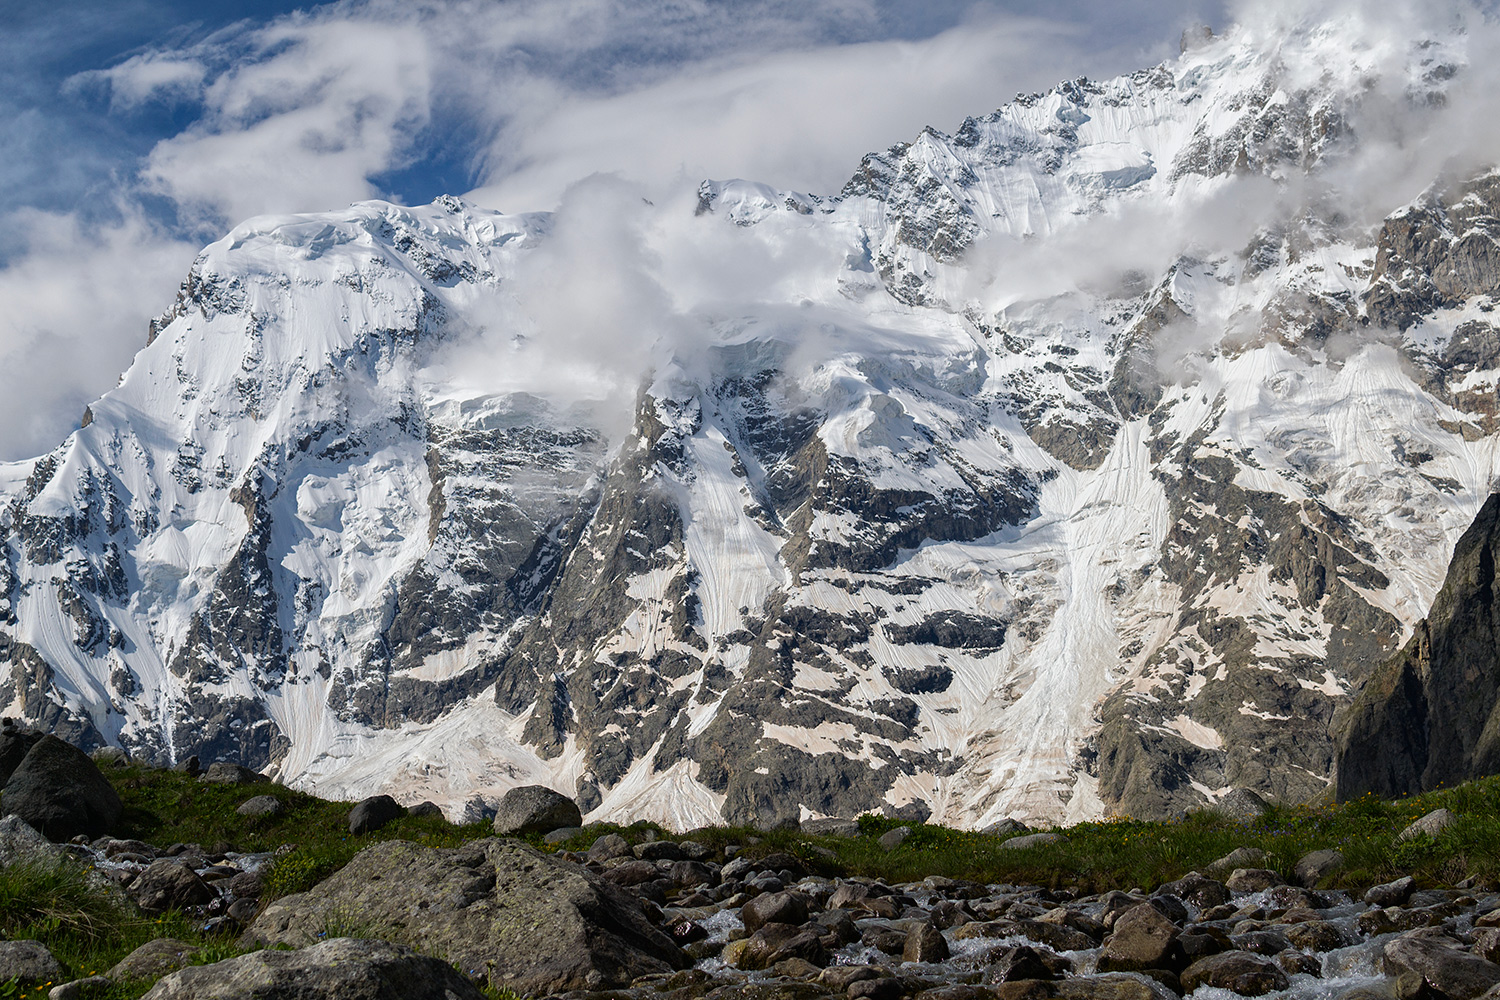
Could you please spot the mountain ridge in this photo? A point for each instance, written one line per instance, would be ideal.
(923, 530)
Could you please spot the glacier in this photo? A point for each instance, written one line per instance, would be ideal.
(1084, 460)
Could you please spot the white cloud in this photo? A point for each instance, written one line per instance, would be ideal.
(145, 78)
(76, 307)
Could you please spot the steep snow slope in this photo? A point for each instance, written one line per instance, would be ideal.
(1085, 459)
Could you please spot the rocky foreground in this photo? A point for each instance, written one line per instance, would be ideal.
(638, 917)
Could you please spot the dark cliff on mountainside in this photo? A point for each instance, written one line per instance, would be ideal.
(1431, 714)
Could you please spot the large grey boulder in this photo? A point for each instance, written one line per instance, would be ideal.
(19, 842)
(1237, 971)
(168, 884)
(60, 793)
(1432, 825)
(535, 809)
(341, 969)
(154, 959)
(524, 920)
(221, 773)
(1143, 938)
(373, 813)
(1241, 805)
(28, 961)
(1443, 967)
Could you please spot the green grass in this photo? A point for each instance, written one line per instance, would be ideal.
(89, 930)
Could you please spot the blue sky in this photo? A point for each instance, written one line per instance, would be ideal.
(135, 131)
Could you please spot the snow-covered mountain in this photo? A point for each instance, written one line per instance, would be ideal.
(1086, 459)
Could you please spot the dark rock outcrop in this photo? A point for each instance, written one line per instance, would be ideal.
(373, 813)
(1431, 714)
(60, 792)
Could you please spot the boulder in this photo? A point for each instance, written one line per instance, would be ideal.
(28, 961)
(1316, 866)
(1005, 828)
(831, 827)
(1110, 986)
(774, 943)
(925, 943)
(1252, 879)
(608, 847)
(373, 813)
(189, 766)
(1202, 892)
(221, 773)
(344, 968)
(524, 920)
(154, 959)
(110, 757)
(1016, 963)
(894, 838)
(60, 793)
(1443, 967)
(19, 842)
(1143, 938)
(774, 908)
(1240, 857)
(168, 884)
(1031, 840)
(81, 989)
(425, 809)
(1237, 971)
(1432, 825)
(1391, 893)
(14, 745)
(1241, 805)
(535, 809)
(260, 805)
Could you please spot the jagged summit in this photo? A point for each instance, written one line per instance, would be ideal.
(1093, 457)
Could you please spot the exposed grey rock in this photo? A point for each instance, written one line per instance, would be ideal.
(1005, 827)
(1241, 805)
(18, 842)
(223, 773)
(523, 919)
(60, 793)
(154, 959)
(80, 989)
(1441, 964)
(189, 765)
(561, 834)
(925, 943)
(260, 805)
(535, 809)
(1431, 825)
(611, 845)
(1252, 879)
(774, 907)
(1142, 939)
(1391, 893)
(1032, 840)
(1240, 857)
(773, 943)
(373, 813)
(425, 809)
(28, 961)
(110, 757)
(343, 967)
(894, 838)
(831, 827)
(1237, 971)
(168, 884)
(1315, 866)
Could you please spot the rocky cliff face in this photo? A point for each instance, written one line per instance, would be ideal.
(927, 525)
(1431, 715)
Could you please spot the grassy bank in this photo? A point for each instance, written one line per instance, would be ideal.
(88, 931)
